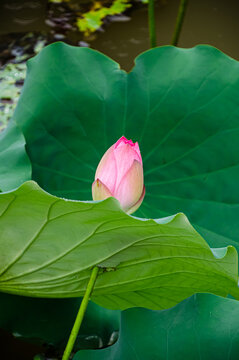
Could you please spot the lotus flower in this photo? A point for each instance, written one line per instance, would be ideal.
(120, 174)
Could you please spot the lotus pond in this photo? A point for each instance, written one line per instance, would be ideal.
(119, 180)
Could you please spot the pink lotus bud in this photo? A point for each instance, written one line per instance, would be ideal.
(120, 174)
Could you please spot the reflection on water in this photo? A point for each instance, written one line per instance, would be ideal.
(22, 16)
(15, 5)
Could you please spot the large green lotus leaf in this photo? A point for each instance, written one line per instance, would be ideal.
(49, 245)
(182, 106)
(203, 327)
(50, 321)
(15, 166)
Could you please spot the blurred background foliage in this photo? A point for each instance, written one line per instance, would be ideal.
(48, 21)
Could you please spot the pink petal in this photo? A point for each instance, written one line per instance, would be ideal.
(123, 140)
(100, 191)
(107, 170)
(120, 141)
(125, 155)
(136, 148)
(137, 205)
(131, 186)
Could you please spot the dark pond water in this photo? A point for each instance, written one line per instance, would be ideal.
(212, 22)
(12, 348)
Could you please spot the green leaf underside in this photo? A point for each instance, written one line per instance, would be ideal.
(49, 245)
(181, 105)
(15, 166)
(201, 327)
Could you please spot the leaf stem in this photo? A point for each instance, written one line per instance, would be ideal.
(179, 22)
(152, 27)
(81, 313)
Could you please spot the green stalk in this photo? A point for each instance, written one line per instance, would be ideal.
(179, 22)
(152, 27)
(81, 313)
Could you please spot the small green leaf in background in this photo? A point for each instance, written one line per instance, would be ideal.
(15, 166)
(93, 19)
(49, 245)
(202, 327)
